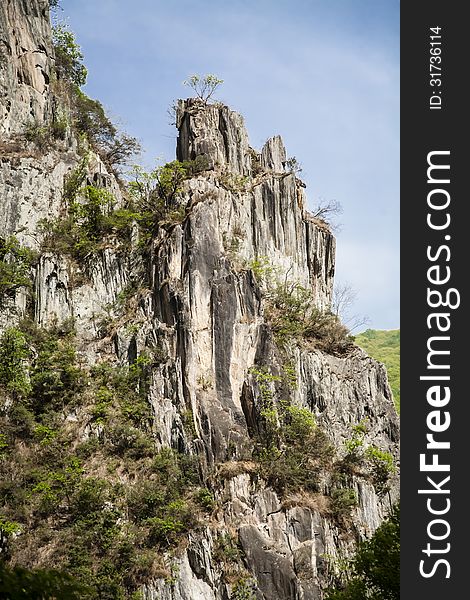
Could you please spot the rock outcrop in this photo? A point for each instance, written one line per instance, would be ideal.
(200, 307)
(25, 61)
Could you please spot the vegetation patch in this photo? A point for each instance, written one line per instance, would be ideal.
(374, 572)
(102, 510)
(294, 317)
(15, 266)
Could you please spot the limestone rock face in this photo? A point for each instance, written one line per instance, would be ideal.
(213, 131)
(201, 309)
(25, 64)
(273, 155)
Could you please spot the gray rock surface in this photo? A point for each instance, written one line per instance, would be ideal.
(25, 64)
(203, 311)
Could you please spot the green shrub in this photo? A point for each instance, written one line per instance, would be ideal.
(125, 388)
(206, 499)
(82, 230)
(20, 420)
(14, 354)
(175, 518)
(15, 265)
(56, 378)
(293, 316)
(291, 449)
(17, 583)
(44, 434)
(125, 440)
(90, 119)
(342, 500)
(4, 445)
(44, 135)
(374, 572)
(226, 549)
(244, 589)
(355, 445)
(382, 465)
(8, 528)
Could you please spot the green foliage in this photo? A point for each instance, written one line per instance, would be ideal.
(380, 462)
(384, 346)
(341, 501)
(68, 56)
(374, 572)
(14, 353)
(205, 499)
(104, 531)
(55, 377)
(355, 445)
(382, 465)
(159, 188)
(90, 119)
(291, 449)
(244, 589)
(45, 135)
(203, 86)
(292, 165)
(234, 182)
(92, 219)
(293, 315)
(163, 504)
(82, 230)
(126, 389)
(39, 584)
(15, 263)
(45, 434)
(262, 269)
(8, 528)
(226, 549)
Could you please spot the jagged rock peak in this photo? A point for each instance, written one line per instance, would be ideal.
(214, 131)
(25, 64)
(273, 155)
(218, 133)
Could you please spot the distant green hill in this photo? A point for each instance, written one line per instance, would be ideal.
(384, 346)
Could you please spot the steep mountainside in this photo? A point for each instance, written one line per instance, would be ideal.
(181, 415)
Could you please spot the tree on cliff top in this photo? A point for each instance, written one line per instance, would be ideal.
(203, 86)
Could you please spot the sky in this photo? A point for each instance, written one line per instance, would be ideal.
(323, 74)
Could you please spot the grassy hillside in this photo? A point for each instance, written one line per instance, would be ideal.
(385, 347)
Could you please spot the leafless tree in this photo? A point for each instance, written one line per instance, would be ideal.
(344, 297)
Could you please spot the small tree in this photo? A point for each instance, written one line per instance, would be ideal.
(203, 86)
(292, 165)
(327, 211)
(344, 297)
(68, 56)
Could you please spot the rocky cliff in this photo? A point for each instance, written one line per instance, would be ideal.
(200, 339)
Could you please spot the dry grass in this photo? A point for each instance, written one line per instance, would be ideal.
(232, 468)
(315, 501)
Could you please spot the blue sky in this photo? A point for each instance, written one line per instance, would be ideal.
(324, 74)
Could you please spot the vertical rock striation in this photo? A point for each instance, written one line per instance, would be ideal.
(203, 311)
(25, 62)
